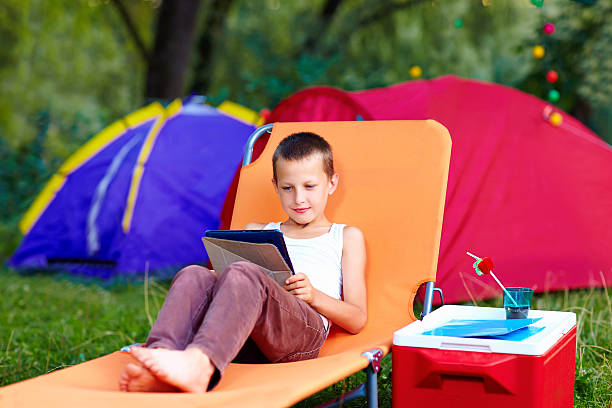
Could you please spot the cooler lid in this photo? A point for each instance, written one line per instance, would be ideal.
(536, 339)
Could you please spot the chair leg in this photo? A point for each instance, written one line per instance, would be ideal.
(369, 389)
(372, 387)
(374, 356)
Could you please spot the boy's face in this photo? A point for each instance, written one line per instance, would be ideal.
(303, 188)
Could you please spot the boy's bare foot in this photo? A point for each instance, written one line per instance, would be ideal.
(136, 378)
(188, 370)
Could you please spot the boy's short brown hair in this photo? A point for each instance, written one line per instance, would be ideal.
(301, 145)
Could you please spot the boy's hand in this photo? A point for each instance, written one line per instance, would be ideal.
(300, 286)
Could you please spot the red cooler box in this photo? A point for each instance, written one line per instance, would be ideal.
(532, 367)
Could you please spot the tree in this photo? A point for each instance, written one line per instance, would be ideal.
(174, 40)
(580, 52)
(211, 34)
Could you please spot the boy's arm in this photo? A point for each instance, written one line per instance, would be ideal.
(351, 313)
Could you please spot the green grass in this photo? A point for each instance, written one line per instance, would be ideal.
(48, 323)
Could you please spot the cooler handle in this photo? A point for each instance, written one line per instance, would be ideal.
(489, 374)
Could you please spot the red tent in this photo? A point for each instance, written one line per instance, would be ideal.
(535, 197)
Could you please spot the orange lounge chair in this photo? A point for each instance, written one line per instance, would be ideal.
(392, 185)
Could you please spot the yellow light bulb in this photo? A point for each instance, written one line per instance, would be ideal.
(538, 51)
(556, 119)
(415, 71)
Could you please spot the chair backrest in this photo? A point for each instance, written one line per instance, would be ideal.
(392, 186)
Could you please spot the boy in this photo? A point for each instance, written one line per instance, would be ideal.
(207, 320)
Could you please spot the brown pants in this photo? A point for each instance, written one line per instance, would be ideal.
(243, 313)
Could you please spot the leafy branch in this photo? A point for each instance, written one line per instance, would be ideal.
(132, 30)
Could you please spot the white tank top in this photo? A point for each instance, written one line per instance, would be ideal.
(319, 258)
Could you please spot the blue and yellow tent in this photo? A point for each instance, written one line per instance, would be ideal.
(139, 194)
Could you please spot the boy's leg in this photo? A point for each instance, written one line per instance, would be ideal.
(184, 308)
(181, 314)
(246, 302)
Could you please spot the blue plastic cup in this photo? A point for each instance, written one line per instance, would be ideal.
(520, 309)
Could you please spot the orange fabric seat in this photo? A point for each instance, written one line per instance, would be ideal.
(392, 186)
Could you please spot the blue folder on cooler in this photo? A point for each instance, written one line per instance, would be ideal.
(483, 328)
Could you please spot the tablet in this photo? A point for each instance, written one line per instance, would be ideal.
(268, 236)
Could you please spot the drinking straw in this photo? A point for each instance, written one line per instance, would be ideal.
(478, 259)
